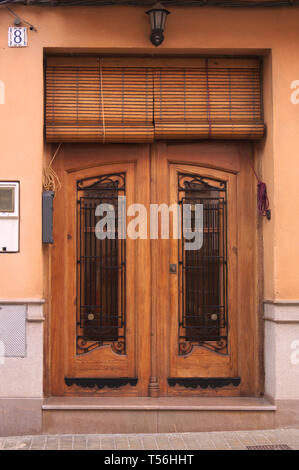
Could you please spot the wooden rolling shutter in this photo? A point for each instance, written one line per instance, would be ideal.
(216, 99)
(88, 101)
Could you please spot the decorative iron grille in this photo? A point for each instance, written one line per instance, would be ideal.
(203, 272)
(101, 311)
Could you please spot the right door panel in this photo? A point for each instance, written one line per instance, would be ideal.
(207, 304)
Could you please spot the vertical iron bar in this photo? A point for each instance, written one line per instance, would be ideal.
(79, 304)
(183, 270)
(90, 255)
(85, 258)
(101, 278)
(95, 264)
(106, 316)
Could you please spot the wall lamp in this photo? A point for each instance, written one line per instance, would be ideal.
(157, 15)
(18, 20)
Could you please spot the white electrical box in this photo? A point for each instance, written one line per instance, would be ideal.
(9, 216)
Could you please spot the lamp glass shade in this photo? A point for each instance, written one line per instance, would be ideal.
(157, 16)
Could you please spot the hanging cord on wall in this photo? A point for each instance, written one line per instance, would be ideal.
(18, 20)
(51, 181)
(102, 101)
(262, 197)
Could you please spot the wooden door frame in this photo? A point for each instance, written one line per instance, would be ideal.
(223, 151)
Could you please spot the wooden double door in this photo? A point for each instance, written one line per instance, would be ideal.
(153, 271)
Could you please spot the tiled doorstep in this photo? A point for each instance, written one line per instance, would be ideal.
(173, 403)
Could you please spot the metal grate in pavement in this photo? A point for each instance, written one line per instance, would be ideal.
(270, 447)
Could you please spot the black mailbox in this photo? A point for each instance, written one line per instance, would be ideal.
(47, 206)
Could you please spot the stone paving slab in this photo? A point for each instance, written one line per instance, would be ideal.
(237, 440)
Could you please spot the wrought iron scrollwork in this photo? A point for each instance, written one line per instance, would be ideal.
(189, 182)
(119, 347)
(186, 347)
(84, 345)
(112, 182)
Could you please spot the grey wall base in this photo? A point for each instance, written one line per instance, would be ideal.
(20, 416)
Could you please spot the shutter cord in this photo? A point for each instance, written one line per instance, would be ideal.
(51, 181)
(262, 197)
(102, 101)
(208, 98)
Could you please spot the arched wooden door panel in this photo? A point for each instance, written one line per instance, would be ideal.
(206, 299)
(99, 286)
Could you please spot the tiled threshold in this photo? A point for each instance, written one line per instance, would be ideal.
(162, 404)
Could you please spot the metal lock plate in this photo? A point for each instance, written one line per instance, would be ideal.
(172, 269)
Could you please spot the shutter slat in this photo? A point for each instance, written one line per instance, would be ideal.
(79, 108)
(208, 102)
(123, 102)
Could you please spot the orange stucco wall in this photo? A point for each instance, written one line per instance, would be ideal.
(270, 32)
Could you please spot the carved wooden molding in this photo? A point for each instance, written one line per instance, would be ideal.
(204, 382)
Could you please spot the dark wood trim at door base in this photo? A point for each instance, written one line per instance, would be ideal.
(101, 382)
(204, 382)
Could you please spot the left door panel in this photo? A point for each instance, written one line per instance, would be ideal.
(100, 287)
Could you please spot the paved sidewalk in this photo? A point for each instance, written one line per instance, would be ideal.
(238, 440)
